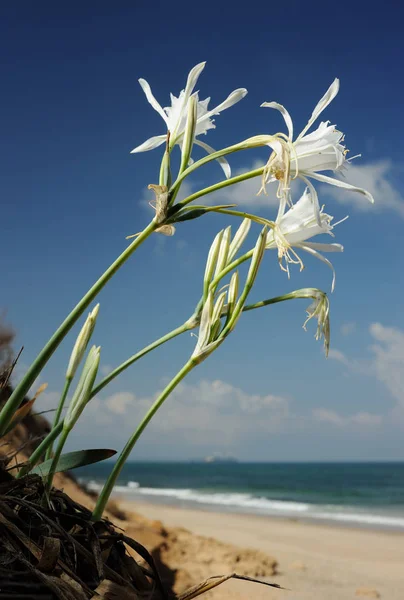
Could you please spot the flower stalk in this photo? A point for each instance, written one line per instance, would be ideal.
(110, 482)
(77, 404)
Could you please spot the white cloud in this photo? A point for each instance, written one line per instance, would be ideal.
(386, 363)
(348, 328)
(120, 402)
(207, 411)
(106, 369)
(365, 419)
(338, 355)
(375, 177)
(388, 358)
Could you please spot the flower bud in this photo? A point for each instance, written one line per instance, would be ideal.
(223, 251)
(189, 133)
(232, 293)
(217, 310)
(81, 343)
(257, 257)
(239, 238)
(211, 261)
(84, 388)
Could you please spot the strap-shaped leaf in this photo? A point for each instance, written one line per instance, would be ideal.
(73, 460)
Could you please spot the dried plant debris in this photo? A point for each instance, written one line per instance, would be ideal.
(57, 552)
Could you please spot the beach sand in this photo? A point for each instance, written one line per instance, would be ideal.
(314, 561)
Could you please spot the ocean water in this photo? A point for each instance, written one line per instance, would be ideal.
(356, 494)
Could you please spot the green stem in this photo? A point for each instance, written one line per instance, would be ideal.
(109, 484)
(22, 388)
(187, 326)
(59, 412)
(290, 296)
(253, 142)
(36, 455)
(222, 184)
(40, 450)
(58, 452)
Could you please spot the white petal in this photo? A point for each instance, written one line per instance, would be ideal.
(233, 98)
(324, 102)
(325, 247)
(328, 160)
(192, 79)
(284, 113)
(151, 99)
(342, 184)
(221, 160)
(314, 252)
(150, 144)
(185, 95)
(314, 198)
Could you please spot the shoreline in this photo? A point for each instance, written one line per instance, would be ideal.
(369, 522)
(316, 560)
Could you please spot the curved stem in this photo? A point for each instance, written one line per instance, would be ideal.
(109, 484)
(22, 388)
(59, 412)
(222, 184)
(187, 326)
(253, 142)
(262, 303)
(40, 450)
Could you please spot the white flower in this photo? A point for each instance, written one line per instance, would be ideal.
(320, 309)
(295, 228)
(175, 116)
(309, 155)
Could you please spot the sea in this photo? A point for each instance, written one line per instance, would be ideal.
(369, 495)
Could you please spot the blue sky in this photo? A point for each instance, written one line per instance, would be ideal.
(70, 190)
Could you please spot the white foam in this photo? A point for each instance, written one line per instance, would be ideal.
(224, 499)
(260, 505)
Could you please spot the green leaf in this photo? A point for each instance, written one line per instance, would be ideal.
(73, 460)
(190, 214)
(195, 212)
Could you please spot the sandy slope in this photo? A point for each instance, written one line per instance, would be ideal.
(315, 561)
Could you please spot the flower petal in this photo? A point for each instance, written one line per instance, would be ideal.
(325, 247)
(314, 198)
(192, 79)
(341, 184)
(308, 248)
(150, 144)
(221, 160)
(231, 99)
(284, 113)
(324, 102)
(152, 100)
(182, 101)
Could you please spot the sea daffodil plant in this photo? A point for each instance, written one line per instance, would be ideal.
(223, 298)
